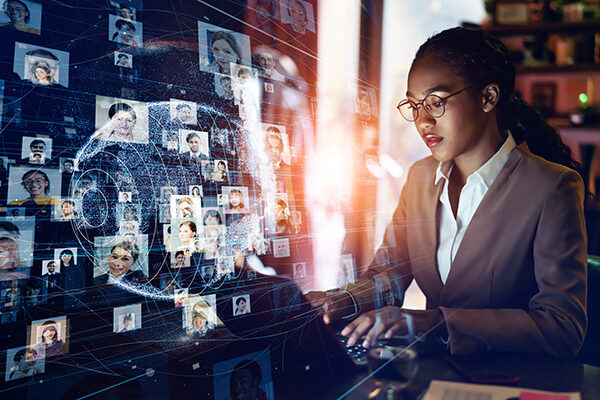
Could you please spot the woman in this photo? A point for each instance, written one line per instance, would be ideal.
(225, 49)
(221, 171)
(37, 184)
(493, 233)
(200, 324)
(49, 339)
(212, 217)
(42, 74)
(42, 66)
(180, 297)
(10, 260)
(187, 231)
(19, 15)
(122, 257)
(299, 17)
(122, 121)
(126, 12)
(125, 33)
(236, 202)
(283, 221)
(66, 259)
(179, 260)
(241, 306)
(66, 208)
(214, 240)
(185, 207)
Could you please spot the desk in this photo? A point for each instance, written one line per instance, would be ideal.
(535, 372)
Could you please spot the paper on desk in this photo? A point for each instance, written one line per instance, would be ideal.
(442, 390)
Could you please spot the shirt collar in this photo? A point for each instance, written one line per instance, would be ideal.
(488, 171)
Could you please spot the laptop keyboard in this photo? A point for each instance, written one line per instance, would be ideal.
(357, 353)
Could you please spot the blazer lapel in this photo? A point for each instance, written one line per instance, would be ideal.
(484, 218)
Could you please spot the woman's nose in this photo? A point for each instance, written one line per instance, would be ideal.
(424, 120)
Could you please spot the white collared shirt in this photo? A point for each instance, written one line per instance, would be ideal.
(452, 230)
(113, 280)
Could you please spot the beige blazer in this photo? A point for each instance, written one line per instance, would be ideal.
(518, 281)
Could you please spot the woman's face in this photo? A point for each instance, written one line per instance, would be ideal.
(180, 259)
(49, 336)
(123, 122)
(66, 258)
(224, 54)
(125, 13)
(235, 199)
(212, 234)
(41, 74)
(66, 208)
(16, 12)
(280, 211)
(210, 220)
(299, 14)
(185, 233)
(242, 305)
(120, 261)
(199, 322)
(36, 185)
(274, 148)
(458, 132)
(5, 256)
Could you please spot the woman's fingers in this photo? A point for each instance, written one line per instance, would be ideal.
(378, 328)
(358, 327)
(398, 327)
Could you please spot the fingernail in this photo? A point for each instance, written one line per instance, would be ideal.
(345, 331)
(351, 342)
(326, 318)
(388, 335)
(365, 344)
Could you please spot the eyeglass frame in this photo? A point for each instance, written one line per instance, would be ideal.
(420, 103)
(29, 182)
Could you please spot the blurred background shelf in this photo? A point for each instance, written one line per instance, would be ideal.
(551, 68)
(539, 28)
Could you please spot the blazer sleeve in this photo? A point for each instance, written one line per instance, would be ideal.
(555, 320)
(389, 274)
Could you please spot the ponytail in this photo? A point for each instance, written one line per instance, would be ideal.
(526, 124)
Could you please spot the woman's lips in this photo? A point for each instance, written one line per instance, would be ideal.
(432, 140)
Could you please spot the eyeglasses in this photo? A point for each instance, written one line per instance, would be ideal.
(29, 182)
(17, 9)
(434, 106)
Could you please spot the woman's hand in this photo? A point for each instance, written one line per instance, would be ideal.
(391, 320)
(334, 306)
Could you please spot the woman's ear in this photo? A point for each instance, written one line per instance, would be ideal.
(490, 97)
